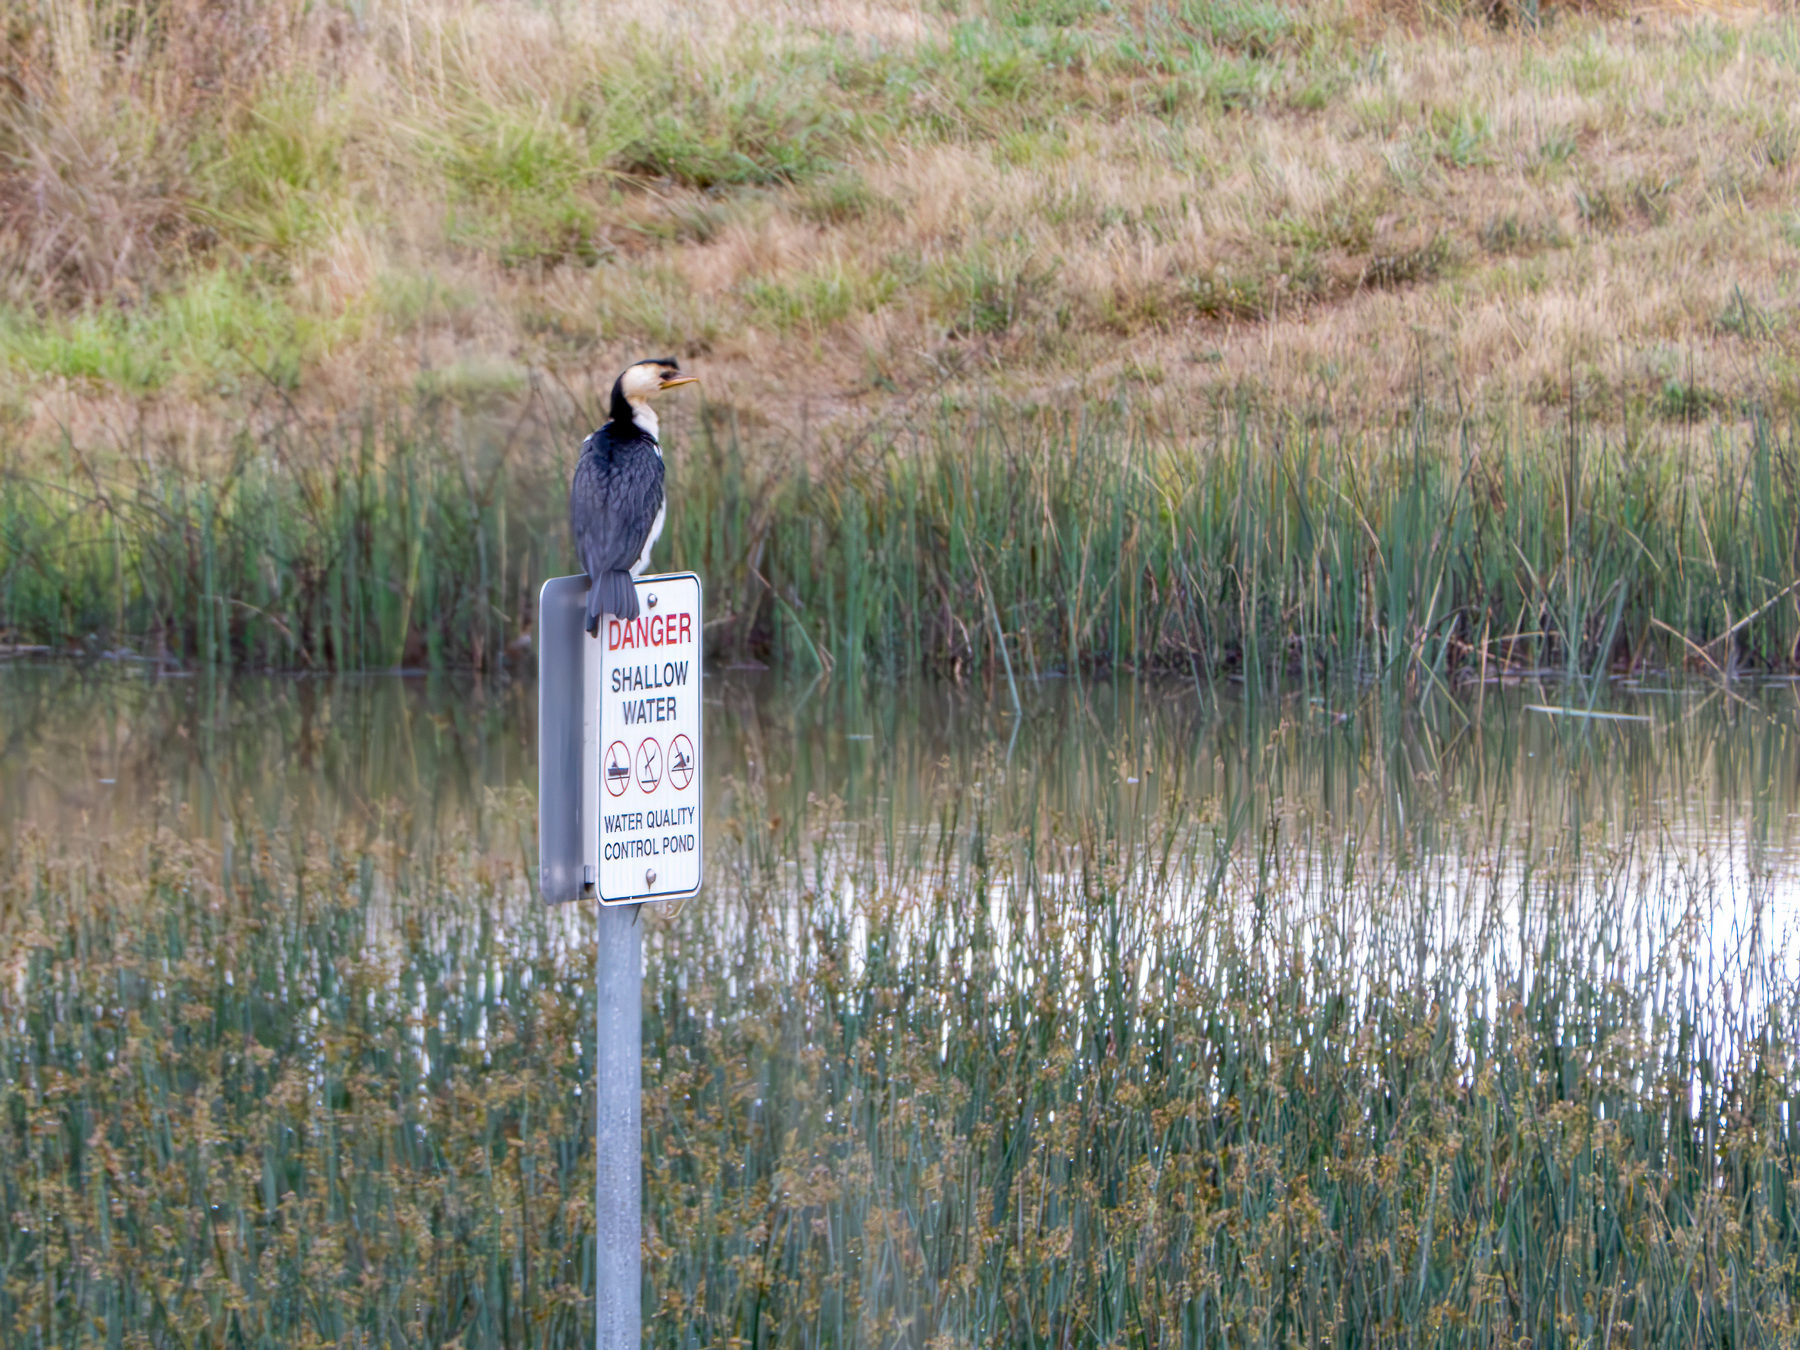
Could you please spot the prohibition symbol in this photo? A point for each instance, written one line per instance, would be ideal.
(681, 763)
(649, 764)
(618, 768)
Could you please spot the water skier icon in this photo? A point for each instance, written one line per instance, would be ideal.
(649, 764)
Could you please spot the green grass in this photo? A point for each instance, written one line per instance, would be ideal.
(984, 293)
(230, 330)
(1393, 560)
(814, 299)
(1132, 1073)
(274, 175)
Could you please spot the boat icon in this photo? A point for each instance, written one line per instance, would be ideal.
(617, 768)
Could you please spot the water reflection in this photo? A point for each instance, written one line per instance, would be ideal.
(1710, 772)
(97, 749)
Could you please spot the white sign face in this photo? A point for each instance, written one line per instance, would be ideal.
(649, 745)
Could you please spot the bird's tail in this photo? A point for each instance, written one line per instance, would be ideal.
(611, 593)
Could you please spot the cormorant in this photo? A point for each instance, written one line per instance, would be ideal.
(616, 501)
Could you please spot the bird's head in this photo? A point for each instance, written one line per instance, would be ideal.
(643, 381)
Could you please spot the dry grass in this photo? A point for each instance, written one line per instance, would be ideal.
(1318, 206)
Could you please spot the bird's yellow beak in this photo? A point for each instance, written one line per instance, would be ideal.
(680, 380)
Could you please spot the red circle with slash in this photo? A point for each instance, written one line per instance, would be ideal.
(681, 763)
(615, 769)
(649, 764)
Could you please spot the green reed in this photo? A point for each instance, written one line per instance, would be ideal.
(383, 542)
(968, 544)
(1130, 1075)
(1061, 543)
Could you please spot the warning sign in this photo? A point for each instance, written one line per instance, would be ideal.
(649, 724)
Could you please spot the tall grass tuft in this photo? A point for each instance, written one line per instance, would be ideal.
(965, 544)
(1017, 1078)
(388, 540)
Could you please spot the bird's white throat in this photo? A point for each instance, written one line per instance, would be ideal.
(645, 417)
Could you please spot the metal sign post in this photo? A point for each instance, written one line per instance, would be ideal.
(619, 821)
(618, 1167)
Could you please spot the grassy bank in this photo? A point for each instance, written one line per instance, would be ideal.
(831, 206)
(999, 1082)
(1216, 337)
(967, 542)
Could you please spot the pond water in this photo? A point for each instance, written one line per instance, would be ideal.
(1702, 779)
(1155, 937)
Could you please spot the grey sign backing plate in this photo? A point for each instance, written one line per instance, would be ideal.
(561, 620)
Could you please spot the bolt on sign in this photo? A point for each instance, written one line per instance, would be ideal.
(647, 733)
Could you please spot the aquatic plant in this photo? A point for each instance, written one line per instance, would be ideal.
(1020, 1078)
(968, 543)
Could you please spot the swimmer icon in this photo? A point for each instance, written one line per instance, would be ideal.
(681, 763)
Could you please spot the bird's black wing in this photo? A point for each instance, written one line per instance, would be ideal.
(613, 500)
(615, 495)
